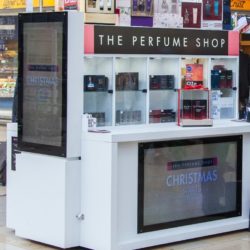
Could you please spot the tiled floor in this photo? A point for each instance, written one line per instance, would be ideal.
(232, 241)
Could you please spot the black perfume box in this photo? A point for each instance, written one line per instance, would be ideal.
(95, 83)
(161, 115)
(199, 109)
(161, 82)
(229, 78)
(127, 81)
(223, 79)
(187, 109)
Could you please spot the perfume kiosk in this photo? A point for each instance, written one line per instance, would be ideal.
(137, 179)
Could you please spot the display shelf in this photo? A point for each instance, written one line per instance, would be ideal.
(163, 79)
(99, 105)
(147, 85)
(224, 75)
(98, 100)
(130, 103)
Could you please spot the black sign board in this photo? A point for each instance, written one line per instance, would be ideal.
(14, 151)
(126, 40)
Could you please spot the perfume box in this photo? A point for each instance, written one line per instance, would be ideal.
(95, 83)
(187, 109)
(168, 117)
(199, 109)
(229, 77)
(215, 79)
(194, 107)
(127, 81)
(161, 116)
(194, 74)
(223, 79)
(191, 13)
(161, 82)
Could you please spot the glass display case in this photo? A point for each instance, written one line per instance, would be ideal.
(130, 90)
(223, 85)
(163, 81)
(98, 89)
(194, 107)
(145, 88)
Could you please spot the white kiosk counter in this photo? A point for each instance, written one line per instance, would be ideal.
(128, 206)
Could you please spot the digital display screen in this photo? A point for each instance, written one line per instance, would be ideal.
(183, 182)
(42, 105)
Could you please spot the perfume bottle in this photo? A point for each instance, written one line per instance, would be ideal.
(174, 7)
(90, 84)
(208, 8)
(216, 7)
(195, 15)
(186, 17)
(141, 5)
(164, 6)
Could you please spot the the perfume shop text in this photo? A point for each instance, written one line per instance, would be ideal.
(160, 41)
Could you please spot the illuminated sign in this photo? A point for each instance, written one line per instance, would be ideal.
(240, 5)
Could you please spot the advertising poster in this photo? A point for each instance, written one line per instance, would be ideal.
(212, 14)
(125, 16)
(189, 181)
(42, 83)
(212, 10)
(167, 13)
(191, 13)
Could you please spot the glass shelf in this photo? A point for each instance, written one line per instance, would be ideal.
(163, 78)
(130, 97)
(97, 96)
(223, 86)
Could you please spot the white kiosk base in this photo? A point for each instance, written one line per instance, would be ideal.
(43, 197)
(47, 194)
(110, 187)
